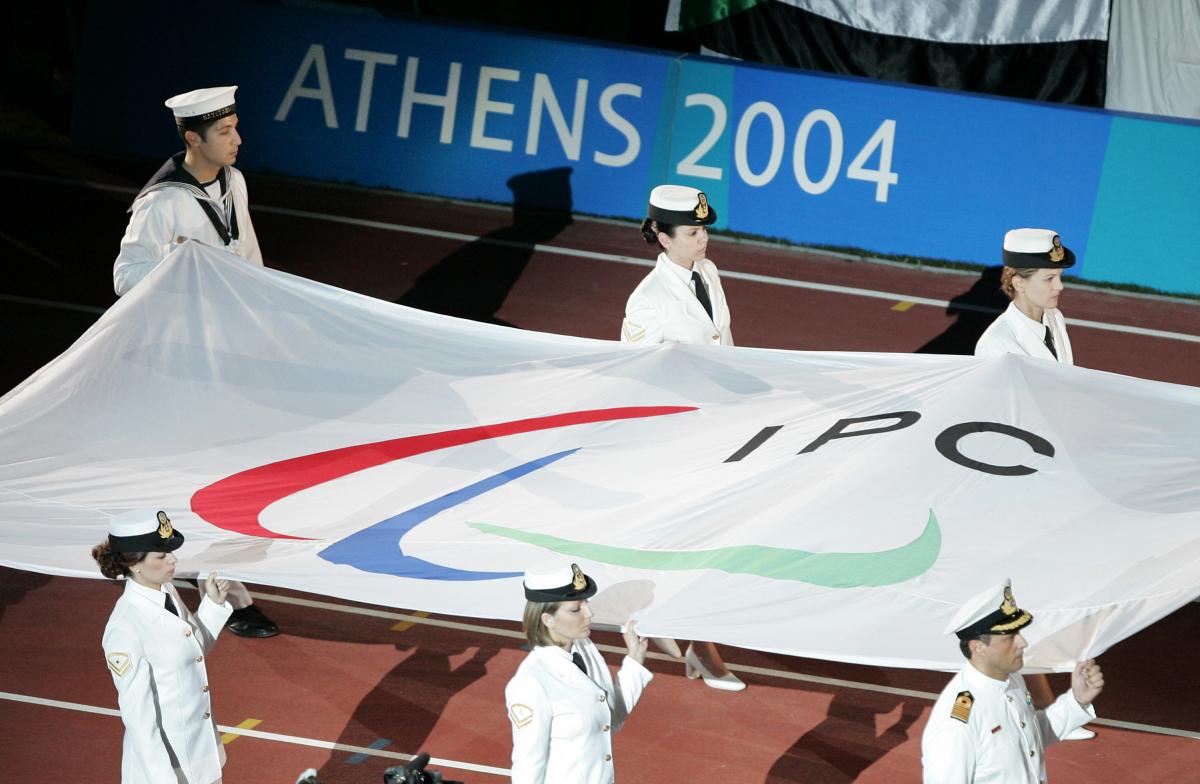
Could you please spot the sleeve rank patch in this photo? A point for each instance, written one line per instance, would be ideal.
(521, 715)
(962, 706)
(632, 332)
(118, 663)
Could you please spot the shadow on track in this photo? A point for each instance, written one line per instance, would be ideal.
(401, 711)
(474, 281)
(972, 311)
(845, 743)
(17, 584)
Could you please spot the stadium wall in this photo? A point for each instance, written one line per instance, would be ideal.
(812, 159)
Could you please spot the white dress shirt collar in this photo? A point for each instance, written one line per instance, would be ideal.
(1035, 328)
(684, 275)
(981, 683)
(149, 594)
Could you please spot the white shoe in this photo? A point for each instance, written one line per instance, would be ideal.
(1079, 733)
(694, 669)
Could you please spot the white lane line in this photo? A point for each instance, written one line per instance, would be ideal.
(21, 246)
(619, 259)
(748, 276)
(764, 671)
(273, 736)
(50, 303)
(941, 303)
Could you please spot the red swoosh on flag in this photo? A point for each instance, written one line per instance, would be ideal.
(235, 502)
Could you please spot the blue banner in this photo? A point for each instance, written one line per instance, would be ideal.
(813, 159)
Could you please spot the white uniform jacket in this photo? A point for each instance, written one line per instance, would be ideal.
(664, 309)
(1015, 333)
(563, 720)
(1000, 739)
(169, 211)
(157, 664)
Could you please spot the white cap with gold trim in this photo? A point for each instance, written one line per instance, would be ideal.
(993, 611)
(567, 584)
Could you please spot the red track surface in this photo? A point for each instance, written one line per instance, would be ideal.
(355, 680)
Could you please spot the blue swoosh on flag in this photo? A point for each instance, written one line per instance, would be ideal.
(377, 549)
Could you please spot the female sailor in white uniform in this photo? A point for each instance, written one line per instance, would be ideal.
(681, 301)
(1032, 325)
(563, 703)
(155, 649)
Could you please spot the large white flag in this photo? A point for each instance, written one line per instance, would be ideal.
(833, 505)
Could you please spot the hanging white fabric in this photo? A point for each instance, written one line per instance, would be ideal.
(835, 505)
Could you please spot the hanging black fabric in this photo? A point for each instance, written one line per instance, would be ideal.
(1073, 72)
(702, 293)
(170, 605)
(577, 657)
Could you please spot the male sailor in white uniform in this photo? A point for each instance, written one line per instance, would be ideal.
(983, 728)
(197, 194)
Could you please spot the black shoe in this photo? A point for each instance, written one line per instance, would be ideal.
(250, 622)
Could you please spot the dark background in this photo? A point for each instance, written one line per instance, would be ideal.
(42, 39)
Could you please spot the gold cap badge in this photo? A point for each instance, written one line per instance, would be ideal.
(578, 581)
(1056, 252)
(165, 530)
(702, 207)
(1009, 605)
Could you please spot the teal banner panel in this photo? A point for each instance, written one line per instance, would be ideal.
(1146, 225)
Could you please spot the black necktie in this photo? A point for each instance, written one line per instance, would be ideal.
(577, 657)
(1050, 342)
(702, 293)
(170, 605)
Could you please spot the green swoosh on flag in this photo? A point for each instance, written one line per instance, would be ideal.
(831, 570)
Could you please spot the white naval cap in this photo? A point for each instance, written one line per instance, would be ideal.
(993, 611)
(143, 531)
(1036, 249)
(680, 205)
(566, 584)
(198, 106)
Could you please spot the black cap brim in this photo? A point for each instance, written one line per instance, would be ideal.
(566, 593)
(998, 622)
(681, 217)
(150, 542)
(1038, 260)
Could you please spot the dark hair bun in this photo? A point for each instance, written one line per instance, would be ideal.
(648, 232)
(651, 228)
(113, 564)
